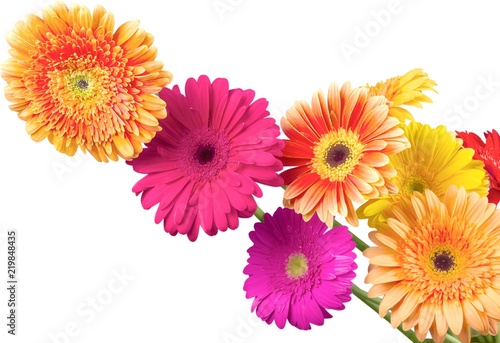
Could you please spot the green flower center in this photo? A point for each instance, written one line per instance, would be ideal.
(417, 187)
(414, 183)
(296, 266)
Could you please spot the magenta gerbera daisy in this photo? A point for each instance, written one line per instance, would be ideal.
(203, 167)
(297, 270)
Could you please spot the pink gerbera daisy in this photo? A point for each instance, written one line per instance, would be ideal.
(203, 167)
(298, 269)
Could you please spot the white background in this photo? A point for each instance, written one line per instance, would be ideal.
(77, 230)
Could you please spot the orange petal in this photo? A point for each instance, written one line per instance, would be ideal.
(124, 147)
(125, 31)
(454, 315)
(392, 297)
(300, 185)
(366, 173)
(309, 201)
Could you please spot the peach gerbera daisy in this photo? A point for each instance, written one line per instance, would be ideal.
(405, 90)
(437, 264)
(79, 84)
(339, 147)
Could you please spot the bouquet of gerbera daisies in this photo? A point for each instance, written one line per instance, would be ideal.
(353, 153)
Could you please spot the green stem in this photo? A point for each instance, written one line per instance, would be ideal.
(259, 214)
(491, 339)
(451, 339)
(360, 245)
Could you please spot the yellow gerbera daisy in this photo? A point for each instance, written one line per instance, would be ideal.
(437, 264)
(434, 161)
(79, 84)
(405, 90)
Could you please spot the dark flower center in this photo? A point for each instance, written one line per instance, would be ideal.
(443, 261)
(82, 84)
(205, 153)
(337, 155)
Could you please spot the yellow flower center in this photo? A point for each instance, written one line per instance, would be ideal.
(80, 85)
(296, 266)
(92, 85)
(336, 154)
(81, 90)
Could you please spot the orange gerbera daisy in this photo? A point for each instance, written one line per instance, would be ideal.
(340, 149)
(405, 90)
(437, 263)
(79, 84)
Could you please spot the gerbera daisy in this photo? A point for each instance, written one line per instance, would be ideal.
(489, 153)
(203, 167)
(404, 90)
(437, 264)
(340, 147)
(435, 161)
(298, 270)
(79, 84)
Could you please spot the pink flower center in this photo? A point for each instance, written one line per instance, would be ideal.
(203, 154)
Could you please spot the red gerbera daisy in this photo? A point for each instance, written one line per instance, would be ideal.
(489, 153)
